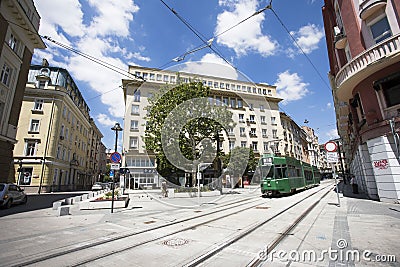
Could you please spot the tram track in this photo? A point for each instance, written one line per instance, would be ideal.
(85, 252)
(69, 249)
(258, 260)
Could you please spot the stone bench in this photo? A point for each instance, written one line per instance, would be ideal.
(63, 210)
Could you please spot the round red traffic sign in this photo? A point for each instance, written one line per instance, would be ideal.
(330, 146)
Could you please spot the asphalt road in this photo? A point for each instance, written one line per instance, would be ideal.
(36, 202)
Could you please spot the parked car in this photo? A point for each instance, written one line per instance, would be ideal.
(97, 186)
(11, 194)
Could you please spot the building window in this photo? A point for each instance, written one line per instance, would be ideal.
(265, 144)
(261, 107)
(145, 75)
(225, 101)
(133, 142)
(172, 79)
(243, 144)
(159, 77)
(262, 118)
(215, 84)
(135, 109)
(264, 133)
(273, 120)
(166, 78)
(254, 146)
(252, 118)
(380, 29)
(242, 131)
(253, 132)
(218, 101)
(30, 148)
(251, 106)
(134, 125)
(231, 145)
(240, 103)
(13, 43)
(152, 76)
(391, 91)
(274, 133)
(38, 106)
(41, 84)
(227, 86)
(34, 126)
(230, 131)
(233, 102)
(241, 117)
(222, 85)
(136, 96)
(6, 73)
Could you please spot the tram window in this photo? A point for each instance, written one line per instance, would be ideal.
(271, 173)
(281, 172)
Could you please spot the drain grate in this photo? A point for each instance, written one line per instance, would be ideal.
(262, 208)
(175, 242)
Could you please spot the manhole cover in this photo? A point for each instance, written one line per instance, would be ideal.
(175, 242)
(262, 208)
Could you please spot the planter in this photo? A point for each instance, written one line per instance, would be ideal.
(121, 202)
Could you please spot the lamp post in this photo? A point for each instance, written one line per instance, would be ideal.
(117, 128)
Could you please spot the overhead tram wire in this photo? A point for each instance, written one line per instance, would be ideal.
(209, 42)
(197, 33)
(299, 47)
(96, 60)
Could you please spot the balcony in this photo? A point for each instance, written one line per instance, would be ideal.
(369, 7)
(340, 41)
(362, 66)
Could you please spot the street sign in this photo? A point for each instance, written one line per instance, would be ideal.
(331, 146)
(115, 157)
(111, 173)
(332, 157)
(115, 166)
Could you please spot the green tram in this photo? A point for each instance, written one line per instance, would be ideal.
(283, 175)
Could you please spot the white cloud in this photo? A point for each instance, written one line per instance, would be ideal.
(248, 36)
(329, 105)
(308, 38)
(290, 87)
(104, 120)
(51, 18)
(101, 38)
(332, 134)
(113, 17)
(209, 64)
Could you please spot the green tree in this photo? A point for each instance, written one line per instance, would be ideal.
(182, 126)
(239, 161)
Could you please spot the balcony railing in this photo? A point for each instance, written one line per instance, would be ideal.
(384, 49)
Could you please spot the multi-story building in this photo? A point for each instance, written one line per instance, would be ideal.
(58, 146)
(311, 152)
(254, 107)
(363, 42)
(19, 24)
(294, 138)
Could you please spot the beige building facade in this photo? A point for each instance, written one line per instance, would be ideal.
(59, 146)
(19, 24)
(254, 108)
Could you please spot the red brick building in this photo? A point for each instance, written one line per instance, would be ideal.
(363, 42)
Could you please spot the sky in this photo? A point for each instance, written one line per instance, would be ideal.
(283, 46)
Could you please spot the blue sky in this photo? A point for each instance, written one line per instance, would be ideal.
(148, 34)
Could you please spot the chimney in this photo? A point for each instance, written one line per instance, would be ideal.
(45, 63)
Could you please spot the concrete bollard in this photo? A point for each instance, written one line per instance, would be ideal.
(57, 204)
(171, 193)
(63, 210)
(69, 201)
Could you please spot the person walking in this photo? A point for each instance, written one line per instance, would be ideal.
(354, 185)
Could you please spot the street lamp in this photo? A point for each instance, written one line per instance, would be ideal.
(117, 128)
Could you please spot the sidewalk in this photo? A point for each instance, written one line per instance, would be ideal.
(360, 232)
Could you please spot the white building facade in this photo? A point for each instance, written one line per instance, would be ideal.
(254, 110)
